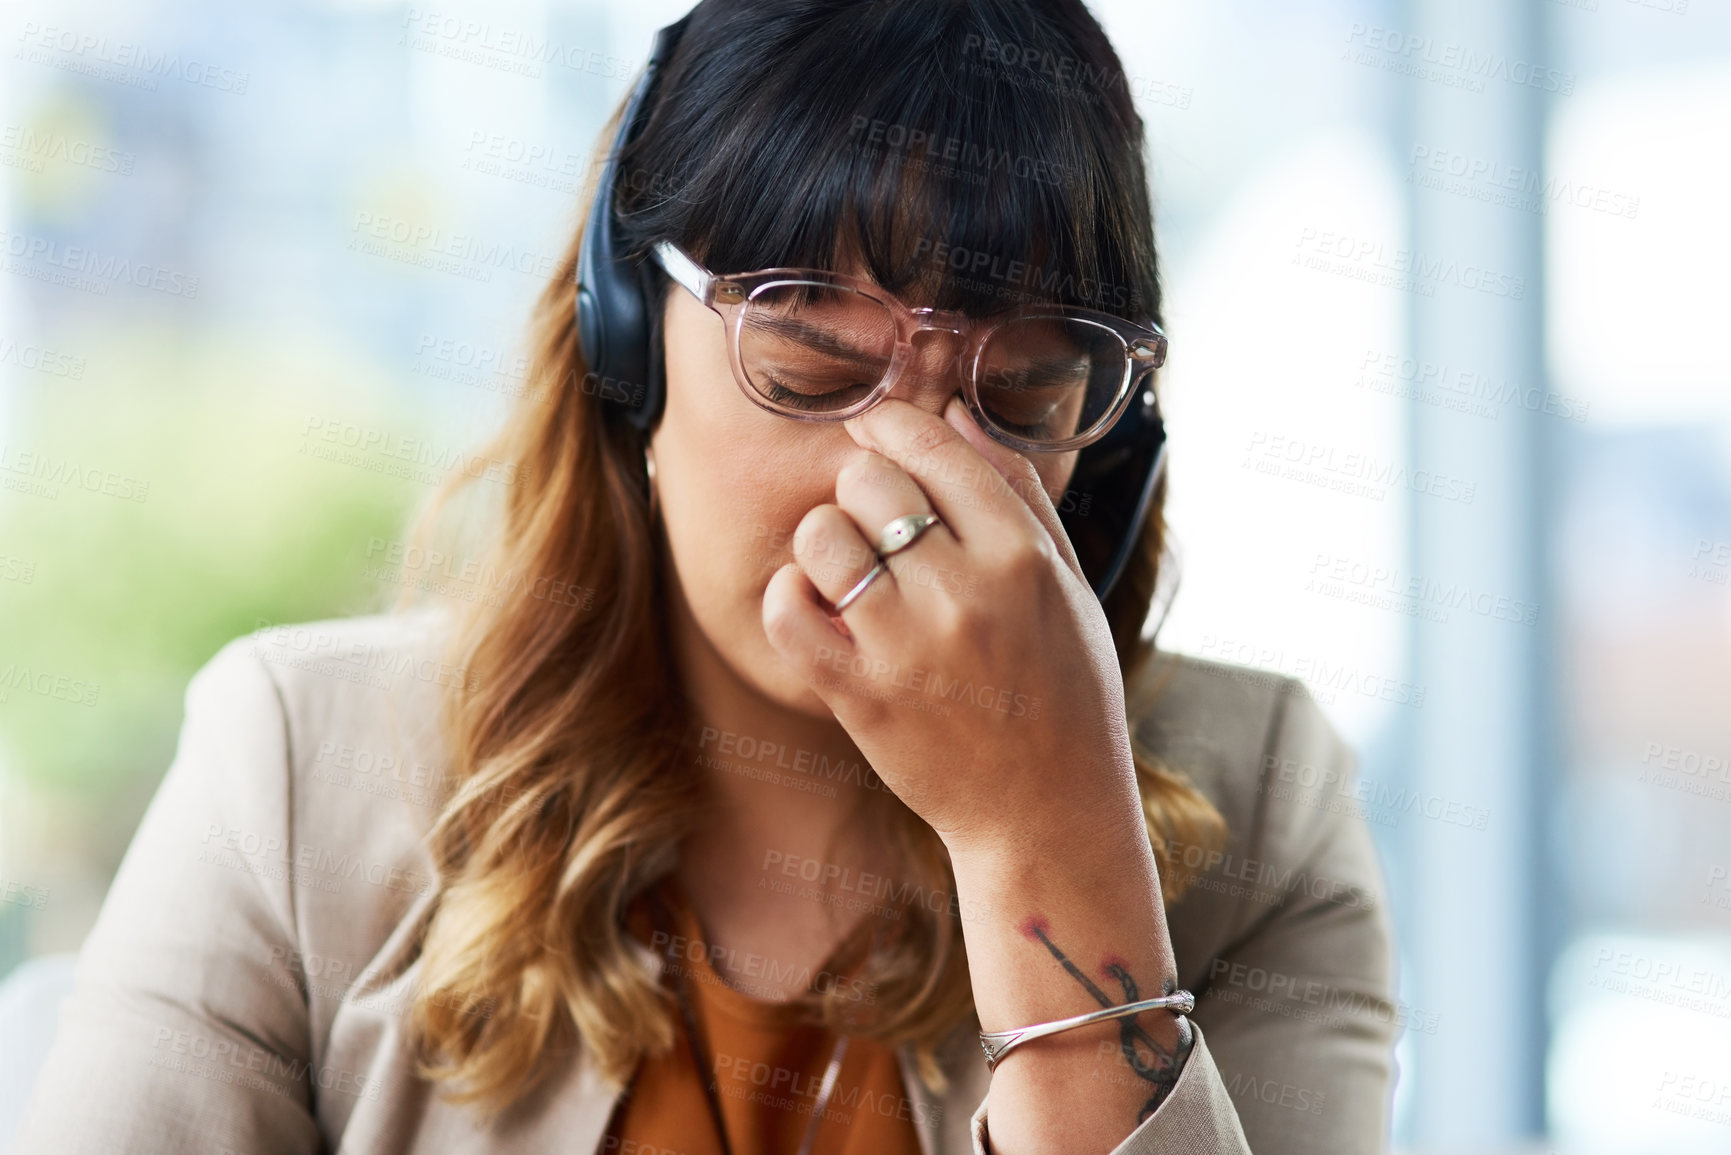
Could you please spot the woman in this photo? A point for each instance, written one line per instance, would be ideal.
(799, 740)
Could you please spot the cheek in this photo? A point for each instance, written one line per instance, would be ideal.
(733, 481)
(730, 513)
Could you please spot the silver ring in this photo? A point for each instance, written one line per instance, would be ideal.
(903, 532)
(847, 599)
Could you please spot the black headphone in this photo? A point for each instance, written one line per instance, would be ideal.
(1114, 480)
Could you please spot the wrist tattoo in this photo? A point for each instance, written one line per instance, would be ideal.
(1148, 1059)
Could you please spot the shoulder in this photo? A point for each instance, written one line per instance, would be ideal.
(1263, 751)
(358, 701)
(280, 861)
(333, 727)
(354, 663)
(335, 717)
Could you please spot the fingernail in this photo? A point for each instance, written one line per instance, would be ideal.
(857, 431)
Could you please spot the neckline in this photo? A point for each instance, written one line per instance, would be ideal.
(709, 987)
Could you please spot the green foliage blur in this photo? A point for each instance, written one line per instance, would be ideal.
(237, 526)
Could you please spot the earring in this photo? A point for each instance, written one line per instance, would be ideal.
(649, 469)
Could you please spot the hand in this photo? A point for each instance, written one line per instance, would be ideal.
(978, 675)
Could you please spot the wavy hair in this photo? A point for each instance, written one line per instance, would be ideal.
(568, 793)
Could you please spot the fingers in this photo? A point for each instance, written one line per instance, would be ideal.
(832, 554)
(874, 491)
(797, 622)
(974, 483)
(1018, 473)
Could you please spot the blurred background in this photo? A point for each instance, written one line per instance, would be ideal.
(1449, 394)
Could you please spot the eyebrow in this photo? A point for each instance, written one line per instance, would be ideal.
(823, 340)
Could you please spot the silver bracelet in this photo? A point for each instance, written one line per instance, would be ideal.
(997, 1044)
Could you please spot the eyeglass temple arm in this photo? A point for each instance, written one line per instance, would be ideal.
(696, 279)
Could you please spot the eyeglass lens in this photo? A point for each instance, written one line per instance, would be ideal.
(814, 348)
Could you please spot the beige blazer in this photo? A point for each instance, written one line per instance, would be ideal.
(247, 983)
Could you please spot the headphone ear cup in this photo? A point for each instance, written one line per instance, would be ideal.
(591, 330)
(1106, 504)
(610, 300)
(648, 409)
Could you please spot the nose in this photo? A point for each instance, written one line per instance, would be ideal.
(933, 374)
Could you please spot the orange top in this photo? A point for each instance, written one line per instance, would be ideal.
(767, 1069)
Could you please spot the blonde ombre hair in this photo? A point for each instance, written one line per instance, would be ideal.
(569, 790)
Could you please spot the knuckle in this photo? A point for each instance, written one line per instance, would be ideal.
(962, 621)
(813, 532)
(779, 622)
(855, 472)
(929, 438)
(1025, 555)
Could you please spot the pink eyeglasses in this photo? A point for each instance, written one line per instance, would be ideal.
(815, 345)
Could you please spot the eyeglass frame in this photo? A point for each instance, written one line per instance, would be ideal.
(728, 295)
